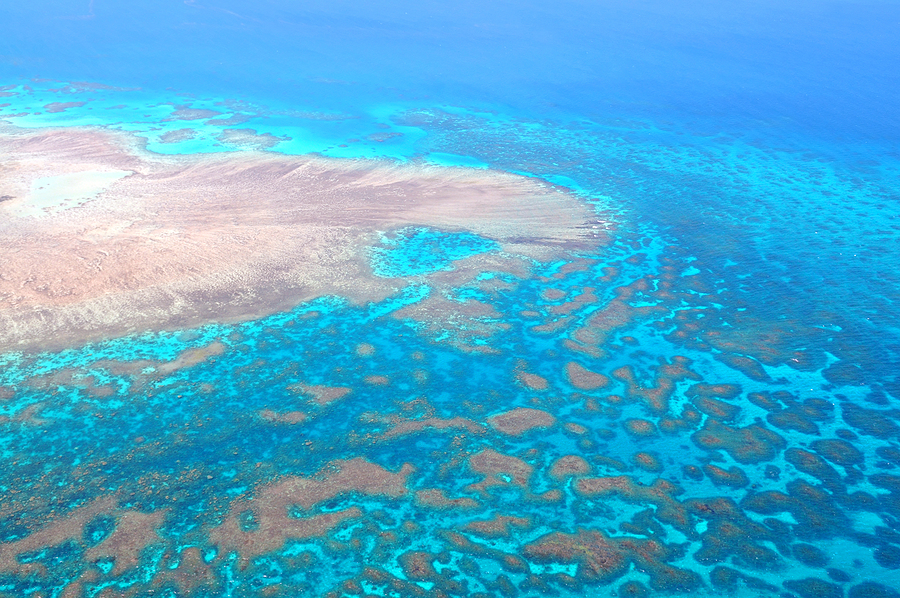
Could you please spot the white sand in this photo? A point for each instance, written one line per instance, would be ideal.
(120, 240)
(54, 193)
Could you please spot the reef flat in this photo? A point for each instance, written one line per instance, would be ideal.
(100, 238)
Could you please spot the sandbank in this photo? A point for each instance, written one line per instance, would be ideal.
(101, 238)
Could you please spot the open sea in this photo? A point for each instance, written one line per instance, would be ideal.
(708, 404)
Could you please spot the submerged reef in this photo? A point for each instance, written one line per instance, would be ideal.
(294, 376)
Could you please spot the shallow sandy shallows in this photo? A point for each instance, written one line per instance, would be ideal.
(100, 238)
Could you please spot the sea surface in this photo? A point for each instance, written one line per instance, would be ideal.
(709, 404)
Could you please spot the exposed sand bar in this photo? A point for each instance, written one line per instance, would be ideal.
(99, 238)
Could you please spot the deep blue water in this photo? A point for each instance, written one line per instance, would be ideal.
(747, 155)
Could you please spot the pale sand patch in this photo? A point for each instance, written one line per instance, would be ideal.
(186, 240)
(321, 395)
(64, 191)
(192, 357)
(532, 381)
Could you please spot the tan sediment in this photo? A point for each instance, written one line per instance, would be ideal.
(186, 240)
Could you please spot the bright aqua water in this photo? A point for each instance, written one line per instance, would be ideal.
(415, 251)
(746, 155)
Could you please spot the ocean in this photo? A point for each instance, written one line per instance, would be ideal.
(701, 398)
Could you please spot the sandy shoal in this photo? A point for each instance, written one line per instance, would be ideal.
(186, 240)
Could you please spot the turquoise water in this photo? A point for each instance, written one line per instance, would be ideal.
(421, 251)
(743, 434)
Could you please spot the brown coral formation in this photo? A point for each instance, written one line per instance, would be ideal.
(402, 427)
(498, 526)
(133, 531)
(249, 138)
(647, 461)
(583, 378)
(62, 106)
(270, 509)
(55, 532)
(521, 420)
(661, 494)
(569, 466)
(284, 417)
(753, 444)
(532, 381)
(275, 528)
(499, 470)
(438, 499)
(599, 559)
(640, 428)
(177, 136)
(190, 573)
(667, 375)
(615, 315)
